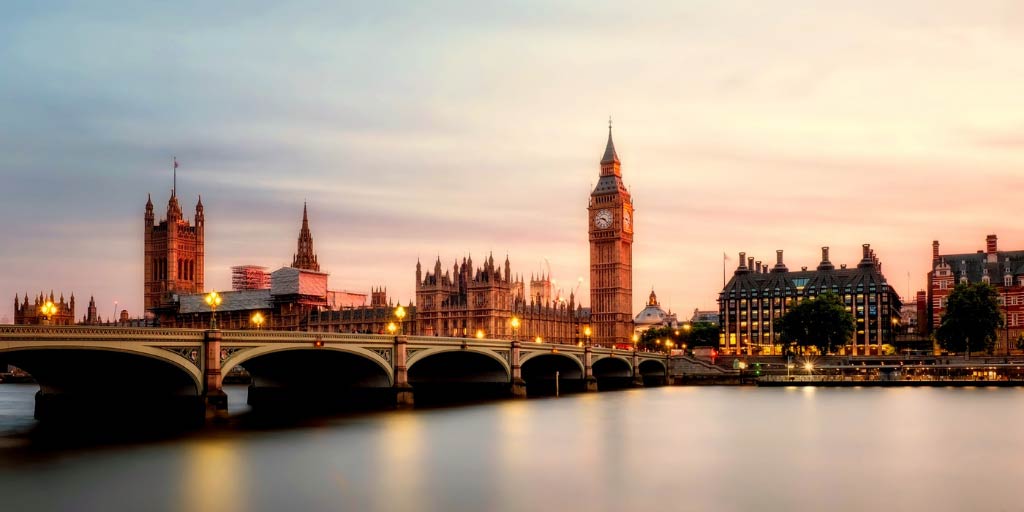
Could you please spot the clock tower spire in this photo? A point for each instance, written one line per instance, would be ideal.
(611, 253)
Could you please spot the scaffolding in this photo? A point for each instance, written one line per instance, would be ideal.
(250, 277)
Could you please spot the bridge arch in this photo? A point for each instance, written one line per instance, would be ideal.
(548, 373)
(240, 357)
(527, 356)
(612, 366)
(301, 378)
(453, 374)
(651, 367)
(420, 355)
(26, 356)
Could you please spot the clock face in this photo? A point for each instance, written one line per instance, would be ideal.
(626, 219)
(603, 219)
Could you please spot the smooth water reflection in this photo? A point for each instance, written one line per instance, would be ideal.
(680, 448)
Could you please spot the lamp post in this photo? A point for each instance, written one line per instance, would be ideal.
(515, 328)
(636, 340)
(400, 315)
(391, 328)
(809, 366)
(587, 332)
(213, 299)
(479, 334)
(49, 309)
(538, 339)
(257, 320)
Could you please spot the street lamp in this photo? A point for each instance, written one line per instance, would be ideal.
(515, 328)
(809, 366)
(257, 320)
(479, 334)
(668, 346)
(400, 315)
(392, 327)
(49, 309)
(636, 339)
(587, 332)
(538, 339)
(213, 299)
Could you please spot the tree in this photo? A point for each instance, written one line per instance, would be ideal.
(971, 319)
(821, 322)
(703, 334)
(700, 334)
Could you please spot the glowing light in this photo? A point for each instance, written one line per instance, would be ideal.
(479, 334)
(538, 339)
(213, 299)
(49, 309)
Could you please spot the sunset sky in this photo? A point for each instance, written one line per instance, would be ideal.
(454, 128)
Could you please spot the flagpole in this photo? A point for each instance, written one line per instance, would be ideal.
(174, 185)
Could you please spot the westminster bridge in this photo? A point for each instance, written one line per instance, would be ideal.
(86, 371)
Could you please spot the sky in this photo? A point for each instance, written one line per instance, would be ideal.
(423, 129)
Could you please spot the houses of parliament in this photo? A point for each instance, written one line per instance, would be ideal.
(464, 300)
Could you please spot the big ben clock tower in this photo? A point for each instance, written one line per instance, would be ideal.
(611, 254)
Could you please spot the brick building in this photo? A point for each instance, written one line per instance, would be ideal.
(1002, 269)
(466, 300)
(30, 313)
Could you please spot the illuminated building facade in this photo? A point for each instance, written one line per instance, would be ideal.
(756, 296)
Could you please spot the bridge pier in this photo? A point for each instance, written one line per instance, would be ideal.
(638, 378)
(403, 390)
(214, 398)
(518, 385)
(589, 381)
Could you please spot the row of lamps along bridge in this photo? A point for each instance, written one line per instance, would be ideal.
(214, 299)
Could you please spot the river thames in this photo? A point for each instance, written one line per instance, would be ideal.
(675, 448)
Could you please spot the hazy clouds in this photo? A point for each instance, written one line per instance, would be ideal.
(450, 128)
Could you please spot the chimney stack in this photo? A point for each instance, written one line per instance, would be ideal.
(758, 263)
(935, 250)
(743, 260)
(991, 248)
(750, 263)
(779, 265)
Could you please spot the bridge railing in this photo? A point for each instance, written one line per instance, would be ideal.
(88, 332)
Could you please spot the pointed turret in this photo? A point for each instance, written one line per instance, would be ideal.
(305, 258)
(610, 156)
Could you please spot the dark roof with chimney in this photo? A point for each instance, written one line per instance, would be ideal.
(778, 282)
(976, 263)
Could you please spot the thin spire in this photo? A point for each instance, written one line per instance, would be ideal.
(305, 258)
(610, 157)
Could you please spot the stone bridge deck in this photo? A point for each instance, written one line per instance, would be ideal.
(67, 360)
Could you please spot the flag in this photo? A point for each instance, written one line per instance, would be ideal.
(175, 162)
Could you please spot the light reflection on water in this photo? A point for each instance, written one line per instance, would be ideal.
(681, 448)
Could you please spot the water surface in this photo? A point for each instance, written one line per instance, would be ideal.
(678, 448)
